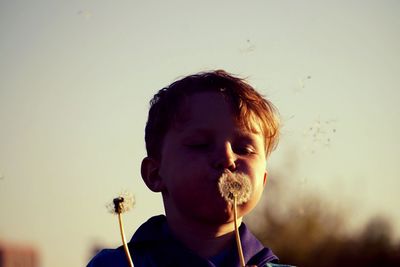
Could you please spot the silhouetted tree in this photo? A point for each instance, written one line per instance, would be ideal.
(307, 231)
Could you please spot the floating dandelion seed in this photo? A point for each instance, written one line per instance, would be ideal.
(236, 189)
(86, 14)
(248, 47)
(235, 185)
(119, 205)
(320, 133)
(301, 84)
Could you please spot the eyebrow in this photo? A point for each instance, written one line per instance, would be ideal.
(196, 131)
(245, 132)
(240, 131)
(247, 138)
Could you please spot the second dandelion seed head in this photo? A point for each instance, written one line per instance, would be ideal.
(122, 203)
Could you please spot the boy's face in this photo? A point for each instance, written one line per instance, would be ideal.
(197, 150)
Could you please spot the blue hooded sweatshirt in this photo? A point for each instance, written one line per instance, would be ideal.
(154, 246)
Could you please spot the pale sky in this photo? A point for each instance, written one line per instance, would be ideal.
(76, 78)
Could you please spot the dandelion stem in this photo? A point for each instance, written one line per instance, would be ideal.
(121, 228)
(238, 243)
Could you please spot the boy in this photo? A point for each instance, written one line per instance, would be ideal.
(199, 128)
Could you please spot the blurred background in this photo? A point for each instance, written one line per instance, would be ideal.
(76, 78)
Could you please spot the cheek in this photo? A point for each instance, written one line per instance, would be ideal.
(252, 203)
(258, 189)
(185, 183)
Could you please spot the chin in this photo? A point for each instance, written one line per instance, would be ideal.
(222, 218)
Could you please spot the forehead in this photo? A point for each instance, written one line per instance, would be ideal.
(213, 109)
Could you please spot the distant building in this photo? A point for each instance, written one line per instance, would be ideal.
(16, 255)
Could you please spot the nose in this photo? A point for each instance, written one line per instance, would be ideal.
(225, 158)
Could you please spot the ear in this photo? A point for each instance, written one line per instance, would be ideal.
(149, 171)
(265, 178)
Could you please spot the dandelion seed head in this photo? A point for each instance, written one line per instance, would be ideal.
(122, 203)
(233, 185)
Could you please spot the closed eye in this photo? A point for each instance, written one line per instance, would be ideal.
(198, 146)
(244, 150)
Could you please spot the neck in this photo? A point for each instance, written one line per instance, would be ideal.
(206, 240)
